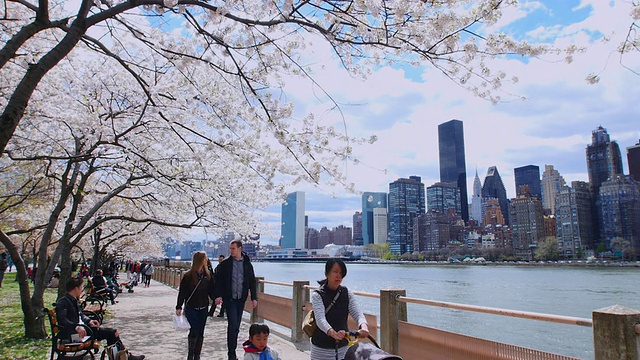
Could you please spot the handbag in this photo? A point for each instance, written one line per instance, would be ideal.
(181, 322)
(309, 325)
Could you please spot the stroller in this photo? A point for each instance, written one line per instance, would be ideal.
(133, 281)
(366, 351)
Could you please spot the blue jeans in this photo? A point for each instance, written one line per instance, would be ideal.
(234, 310)
(197, 319)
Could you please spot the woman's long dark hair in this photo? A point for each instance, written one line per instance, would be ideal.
(329, 265)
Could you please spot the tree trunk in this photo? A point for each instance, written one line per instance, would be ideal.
(31, 307)
(65, 268)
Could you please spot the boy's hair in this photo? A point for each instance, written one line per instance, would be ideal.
(256, 329)
(73, 283)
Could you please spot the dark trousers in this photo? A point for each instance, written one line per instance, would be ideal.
(234, 309)
(108, 334)
(197, 319)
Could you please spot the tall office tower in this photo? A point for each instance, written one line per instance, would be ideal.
(552, 182)
(452, 164)
(406, 201)
(604, 162)
(603, 158)
(380, 226)
(619, 208)
(371, 201)
(633, 158)
(527, 223)
(443, 197)
(292, 234)
(528, 175)
(493, 187)
(357, 228)
(574, 219)
(475, 212)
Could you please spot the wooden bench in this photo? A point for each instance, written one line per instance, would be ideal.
(63, 348)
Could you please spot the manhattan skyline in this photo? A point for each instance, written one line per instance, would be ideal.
(545, 118)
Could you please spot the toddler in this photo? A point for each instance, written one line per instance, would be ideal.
(256, 347)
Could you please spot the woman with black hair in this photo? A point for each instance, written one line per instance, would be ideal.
(332, 305)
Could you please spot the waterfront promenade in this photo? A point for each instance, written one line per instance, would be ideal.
(144, 319)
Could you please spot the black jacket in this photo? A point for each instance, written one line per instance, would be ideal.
(223, 279)
(68, 315)
(201, 294)
(336, 317)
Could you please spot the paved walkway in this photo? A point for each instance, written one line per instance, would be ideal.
(144, 319)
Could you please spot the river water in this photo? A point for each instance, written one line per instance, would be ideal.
(567, 291)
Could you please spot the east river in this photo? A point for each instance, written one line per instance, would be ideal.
(563, 290)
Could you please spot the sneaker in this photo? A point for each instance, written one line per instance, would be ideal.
(135, 357)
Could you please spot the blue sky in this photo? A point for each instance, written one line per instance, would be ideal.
(403, 107)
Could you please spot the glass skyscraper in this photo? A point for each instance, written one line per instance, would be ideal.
(528, 175)
(604, 160)
(452, 161)
(493, 187)
(406, 201)
(293, 222)
(371, 201)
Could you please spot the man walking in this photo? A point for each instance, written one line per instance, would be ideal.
(234, 280)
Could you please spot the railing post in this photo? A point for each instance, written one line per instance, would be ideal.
(255, 318)
(391, 311)
(614, 335)
(300, 297)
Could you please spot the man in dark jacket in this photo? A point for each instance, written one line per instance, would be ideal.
(234, 280)
(69, 315)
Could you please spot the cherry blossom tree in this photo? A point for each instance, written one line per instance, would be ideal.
(172, 114)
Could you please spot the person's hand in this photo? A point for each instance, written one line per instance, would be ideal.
(363, 333)
(254, 303)
(81, 331)
(218, 301)
(94, 323)
(337, 335)
(178, 312)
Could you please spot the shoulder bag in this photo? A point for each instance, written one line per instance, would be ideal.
(309, 325)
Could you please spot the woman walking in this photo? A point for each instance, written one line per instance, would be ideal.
(196, 287)
(332, 304)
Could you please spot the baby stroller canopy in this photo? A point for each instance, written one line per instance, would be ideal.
(367, 351)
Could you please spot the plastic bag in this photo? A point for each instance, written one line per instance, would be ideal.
(181, 323)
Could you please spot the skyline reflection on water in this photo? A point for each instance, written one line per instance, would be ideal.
(567, 291)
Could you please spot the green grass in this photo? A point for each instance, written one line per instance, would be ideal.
(13, 344)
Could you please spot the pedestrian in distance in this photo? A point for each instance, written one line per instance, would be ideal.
(3, 266)
(148, 274)
(332, 305)
(196, 288)
(235, 279)
(256, 347)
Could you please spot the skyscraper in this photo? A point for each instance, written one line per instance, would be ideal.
(633, 158)
(371, 201)
(475, 212)
(604, 160)
(552, 182)
(406, 201)
(357, 228)
(293, 222)
(493, 187)
(443, 197)
(380, 226)
(574, 227)
(619, 208)
(528, 175)
(527, 223)
(452, 161)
